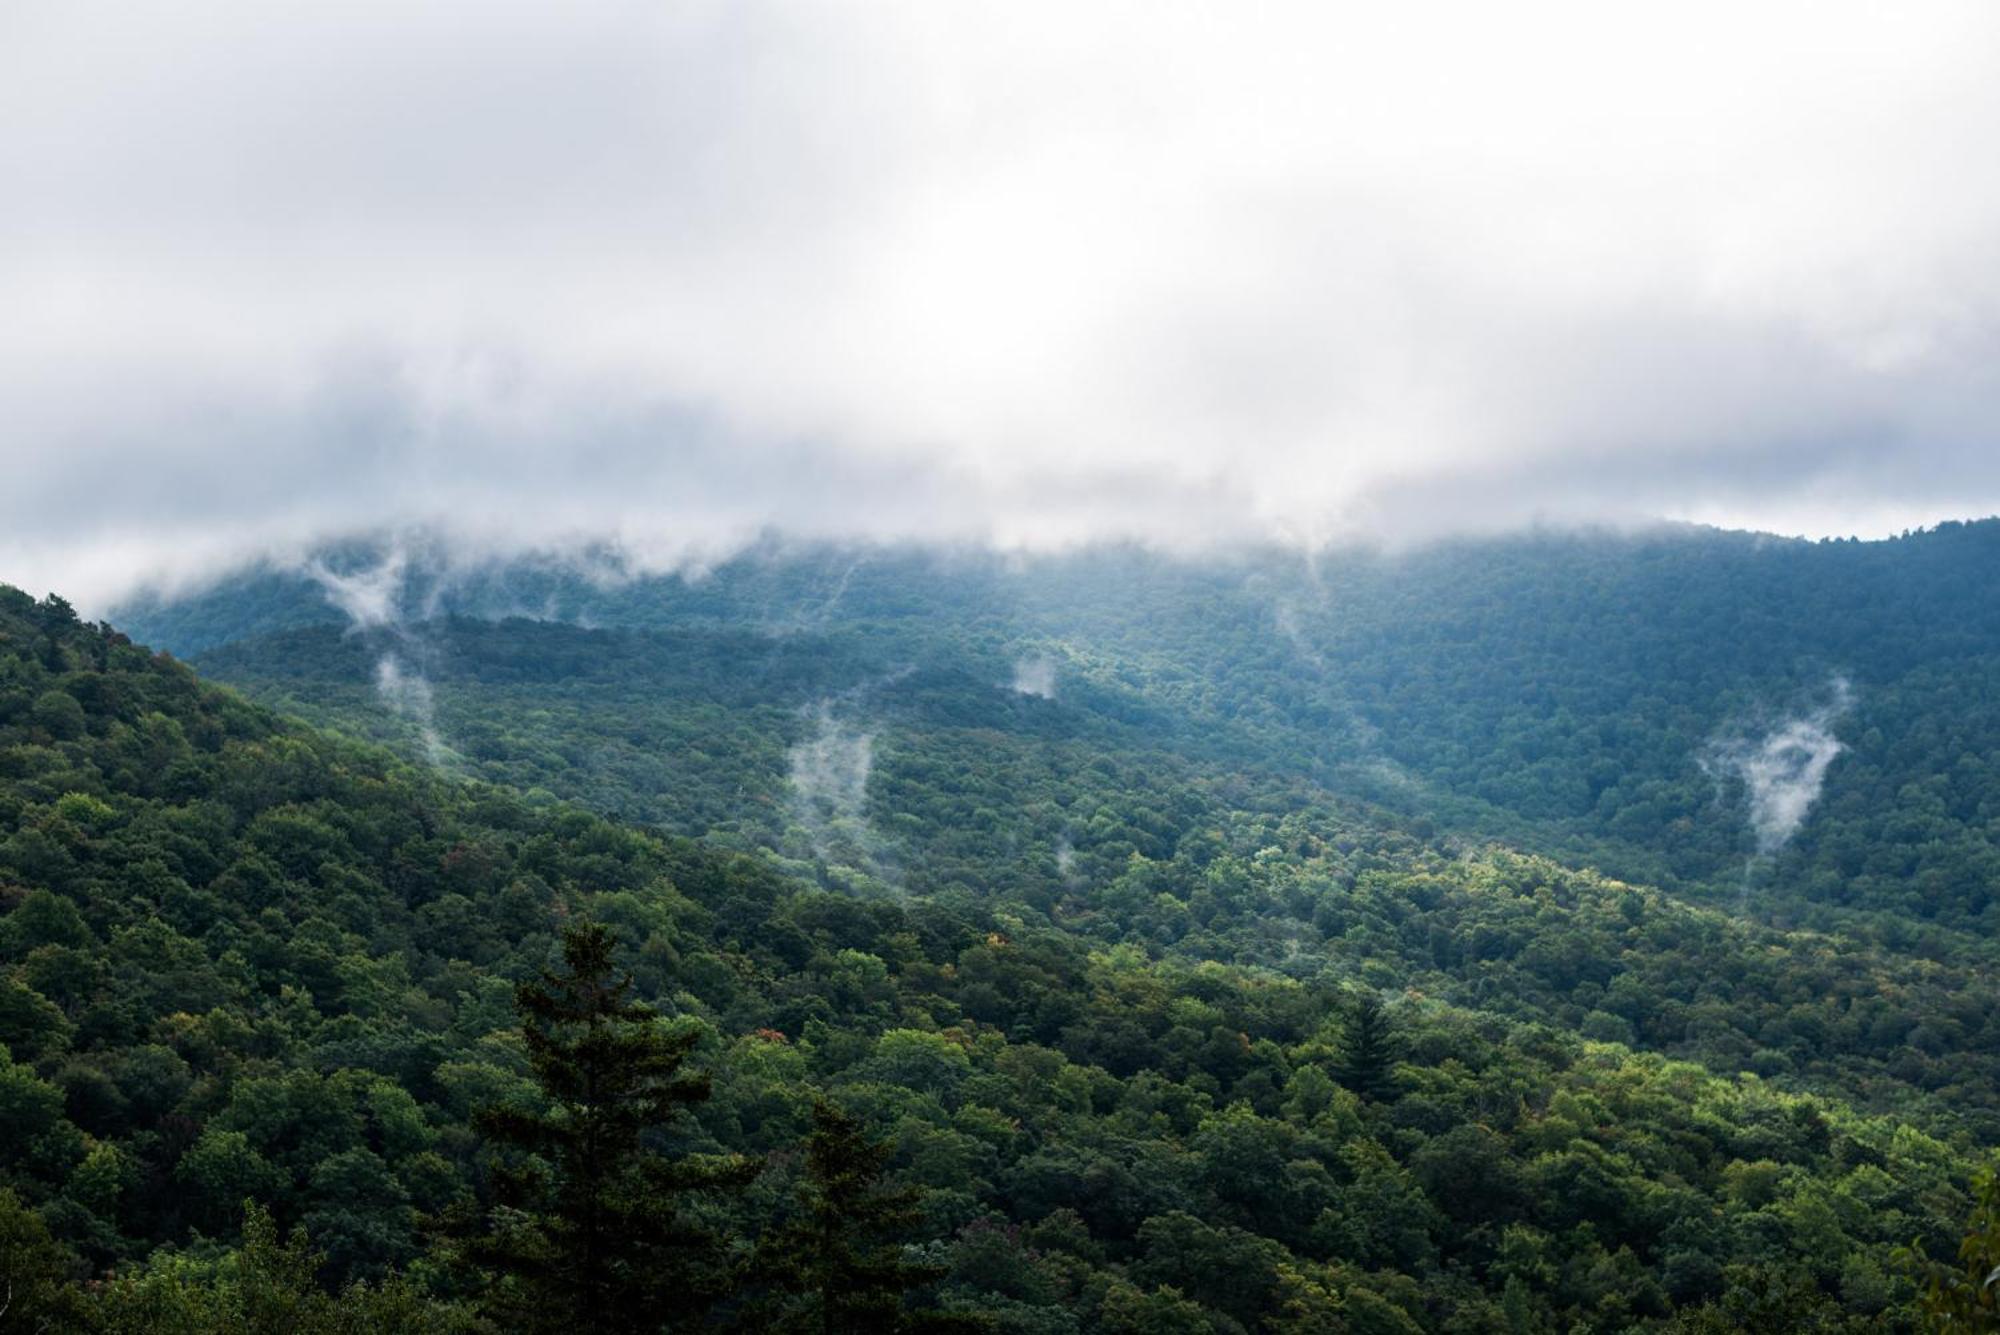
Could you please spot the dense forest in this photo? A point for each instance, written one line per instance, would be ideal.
(1561, 692)
(1103, 943)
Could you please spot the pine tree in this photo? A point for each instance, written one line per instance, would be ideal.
(835, 1266)
(1367, 1054)
(592, 1234)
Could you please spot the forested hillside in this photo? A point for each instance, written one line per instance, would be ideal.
(1161, 1032)
(1576, 694)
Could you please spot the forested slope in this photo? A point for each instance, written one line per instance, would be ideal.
(1563, 692)
(244, 958)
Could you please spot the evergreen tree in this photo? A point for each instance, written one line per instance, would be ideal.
(835, 1266)
(593, 1234)
(1367, 1052)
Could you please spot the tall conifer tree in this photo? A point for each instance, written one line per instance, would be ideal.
(592, 1234)
(1367, 1052)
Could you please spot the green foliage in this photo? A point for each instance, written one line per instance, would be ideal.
(1559, 690)
(1366, 1054)
(265, 1287)
(592, 1233)
(1966, 1298)
(836, 1266)
(37, 1289)
(1082, 968)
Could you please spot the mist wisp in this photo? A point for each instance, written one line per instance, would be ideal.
(373, 601)
(1782, 768)
(829, 770)
(1035, 674)
(408, 695)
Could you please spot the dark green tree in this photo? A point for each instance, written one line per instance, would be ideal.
(36, 1273)
(1366, 1060)
(593, 1232)
(270, 1283)
(836, 1266)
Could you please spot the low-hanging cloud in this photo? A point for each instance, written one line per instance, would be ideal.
(374, 596)
(408, 694)
(829, 769)
(671, 276)
(1035, 674)
(370, 597)
(1783, 767)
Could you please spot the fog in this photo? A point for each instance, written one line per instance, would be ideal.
(668, 277)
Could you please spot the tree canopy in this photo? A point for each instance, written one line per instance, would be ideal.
(730, 959)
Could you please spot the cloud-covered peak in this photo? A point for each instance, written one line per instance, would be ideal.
(677, 275)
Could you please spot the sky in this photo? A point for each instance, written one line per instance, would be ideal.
(1033, 274)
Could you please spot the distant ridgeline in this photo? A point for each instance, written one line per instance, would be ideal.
(1806, 728)
(1115, 1019)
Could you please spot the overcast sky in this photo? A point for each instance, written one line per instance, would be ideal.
(1033, 273)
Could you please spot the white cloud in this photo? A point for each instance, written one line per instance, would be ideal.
(1025, 272)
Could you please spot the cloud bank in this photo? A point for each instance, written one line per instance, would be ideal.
(1032, 274)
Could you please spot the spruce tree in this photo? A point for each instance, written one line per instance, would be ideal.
(1367, 1054)
(592, 1233)
(835, 1266)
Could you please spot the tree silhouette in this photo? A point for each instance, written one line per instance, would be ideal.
(591, 1233)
